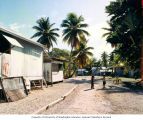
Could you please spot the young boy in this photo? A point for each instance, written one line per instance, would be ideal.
(92, 82)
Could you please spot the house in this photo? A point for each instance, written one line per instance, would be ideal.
(20, 56)
(53, 69)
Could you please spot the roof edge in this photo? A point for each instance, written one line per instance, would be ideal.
(7, 31)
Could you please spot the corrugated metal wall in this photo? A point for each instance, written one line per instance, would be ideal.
(33, 62)
(17, 62)
(47, 72)
(27, 62)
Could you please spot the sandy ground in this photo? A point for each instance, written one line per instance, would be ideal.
(36, 100)
(82, 101)
(115, 99)
(124, 100)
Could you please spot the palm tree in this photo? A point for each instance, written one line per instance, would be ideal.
(74, 32)
(104, 57)
(45, 32)
(125, 31)
(73, 29)
(82, 55)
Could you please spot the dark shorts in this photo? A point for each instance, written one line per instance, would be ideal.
(104, 82)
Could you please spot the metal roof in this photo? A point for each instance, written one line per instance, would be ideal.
(13, 41)
(13, 34)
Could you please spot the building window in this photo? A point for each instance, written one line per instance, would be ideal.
(55, 67)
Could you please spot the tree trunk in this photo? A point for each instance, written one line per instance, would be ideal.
(70, 62)
(142, 59)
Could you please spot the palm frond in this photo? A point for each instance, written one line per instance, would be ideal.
(38, 34)
(37, 28)
(83, 25)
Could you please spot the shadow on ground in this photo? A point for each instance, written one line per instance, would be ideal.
(82, 81)
(110, 87)
(122, 89)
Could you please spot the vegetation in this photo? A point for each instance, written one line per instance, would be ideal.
(65, 55)
(47, 35)
(60, 53)
(74, 33)
(104, 59)
(74, 30)
(124, 32)
(82, 55)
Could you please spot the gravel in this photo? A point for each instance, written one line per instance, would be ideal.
(36, 99)
(114, 99)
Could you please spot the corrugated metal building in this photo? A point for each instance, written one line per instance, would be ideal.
(20, 56)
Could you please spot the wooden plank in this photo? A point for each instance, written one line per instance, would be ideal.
(3, 90)
(15, 95)
(41, 83)
(23, 80)
(45, 82)
(12, 77)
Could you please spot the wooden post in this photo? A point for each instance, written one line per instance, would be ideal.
(41, 83)
(45, 82)
(23, 80)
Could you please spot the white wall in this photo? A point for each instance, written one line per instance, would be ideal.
(27, 62)
(17, 62)
(57, 76)
(33, 62)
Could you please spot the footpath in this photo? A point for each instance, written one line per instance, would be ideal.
(39, 100)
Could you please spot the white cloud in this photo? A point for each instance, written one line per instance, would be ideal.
(18, 28)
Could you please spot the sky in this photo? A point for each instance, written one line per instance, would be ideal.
(21, 15)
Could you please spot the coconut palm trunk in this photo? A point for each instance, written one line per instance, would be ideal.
(70, 61)
(141, 59)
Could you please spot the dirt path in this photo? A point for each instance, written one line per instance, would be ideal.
(124, 100)
(115, 99)
(36, 100)
(82, 101)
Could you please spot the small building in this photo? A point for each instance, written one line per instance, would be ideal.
(20, 56)
(53, 70)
